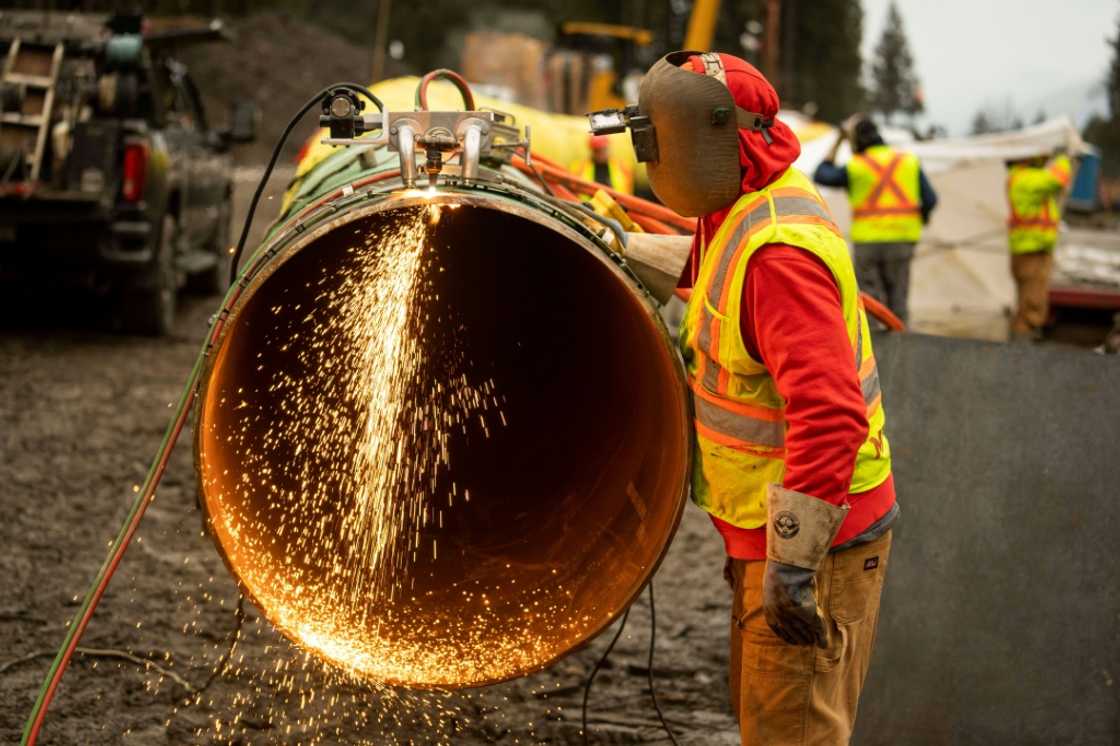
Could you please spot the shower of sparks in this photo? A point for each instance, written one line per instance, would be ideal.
(354, 458)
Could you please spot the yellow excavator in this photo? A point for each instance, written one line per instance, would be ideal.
(621, 45)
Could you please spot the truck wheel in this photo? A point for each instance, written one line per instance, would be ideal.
(149, 308)
(215, 280)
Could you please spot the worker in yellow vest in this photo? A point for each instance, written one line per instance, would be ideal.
(891, 200)
(1034, 190)
(600, 168)
(790, 458)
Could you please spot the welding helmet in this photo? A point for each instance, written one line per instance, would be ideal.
(687, 134)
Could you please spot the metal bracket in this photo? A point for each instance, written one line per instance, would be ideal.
(443, 135)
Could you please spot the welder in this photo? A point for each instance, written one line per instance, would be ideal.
(790, 455)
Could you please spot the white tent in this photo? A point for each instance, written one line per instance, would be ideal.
(960, 284)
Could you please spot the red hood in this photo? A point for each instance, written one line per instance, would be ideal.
(762, 163)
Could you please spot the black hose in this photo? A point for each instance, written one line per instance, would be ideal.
(649, 666)
(276, 156)
(595, 671)
(234, 638)
(649, 670)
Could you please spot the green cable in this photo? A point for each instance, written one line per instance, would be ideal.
(155, 472)
(34, 720)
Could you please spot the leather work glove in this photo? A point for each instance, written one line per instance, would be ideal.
(789, 601)
(799, 533)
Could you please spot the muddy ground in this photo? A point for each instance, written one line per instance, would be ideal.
(82, 412)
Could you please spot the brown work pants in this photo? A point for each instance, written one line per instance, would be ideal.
(1032, 283)
(796, 695)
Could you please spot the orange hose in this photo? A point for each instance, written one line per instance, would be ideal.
(882, 313)
(652, 225)
(647, 215)
(563, 192)
(640, 212)
(872, 306)
(633, 204)
(658, 212)
(546, 160)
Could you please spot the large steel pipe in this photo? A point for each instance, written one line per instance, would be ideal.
(479, 509)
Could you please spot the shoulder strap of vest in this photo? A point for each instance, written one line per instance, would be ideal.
(792, 199)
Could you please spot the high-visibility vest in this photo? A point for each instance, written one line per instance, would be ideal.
(884, 192)
(622, 179)
(1034, 211)
(739, 443)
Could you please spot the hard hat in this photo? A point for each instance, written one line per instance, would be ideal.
(598, 142)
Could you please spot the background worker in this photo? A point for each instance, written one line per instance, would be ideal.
(599, 167)
(891, 200)
(790, 458)
(1034, 190)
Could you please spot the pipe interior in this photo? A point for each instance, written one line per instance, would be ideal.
(538, 517)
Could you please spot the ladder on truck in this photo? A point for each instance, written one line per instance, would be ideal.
(30, 72)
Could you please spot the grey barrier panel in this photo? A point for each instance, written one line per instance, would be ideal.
(1000, 621)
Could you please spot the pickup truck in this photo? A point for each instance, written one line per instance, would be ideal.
(110, 171)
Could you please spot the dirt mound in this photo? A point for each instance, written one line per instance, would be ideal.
(279, 62)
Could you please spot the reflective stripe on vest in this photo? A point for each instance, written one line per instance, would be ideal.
(884, 192)
(739, 415)
(1033, 212)
(906, 204)
(1043, 220)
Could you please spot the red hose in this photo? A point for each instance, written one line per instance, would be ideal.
(445, 74)
(112, 564)
(109, 568)
(338, 192)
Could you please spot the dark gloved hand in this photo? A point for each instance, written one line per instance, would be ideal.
(789, 602)
(799, 530)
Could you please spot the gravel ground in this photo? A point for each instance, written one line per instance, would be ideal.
(81, 414)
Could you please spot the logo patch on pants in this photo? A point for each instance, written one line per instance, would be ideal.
(871, 563)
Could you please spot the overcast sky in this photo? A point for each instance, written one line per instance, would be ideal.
(1031, 53)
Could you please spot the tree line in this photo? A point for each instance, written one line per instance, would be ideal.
(1104, 130)
(821, 68)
